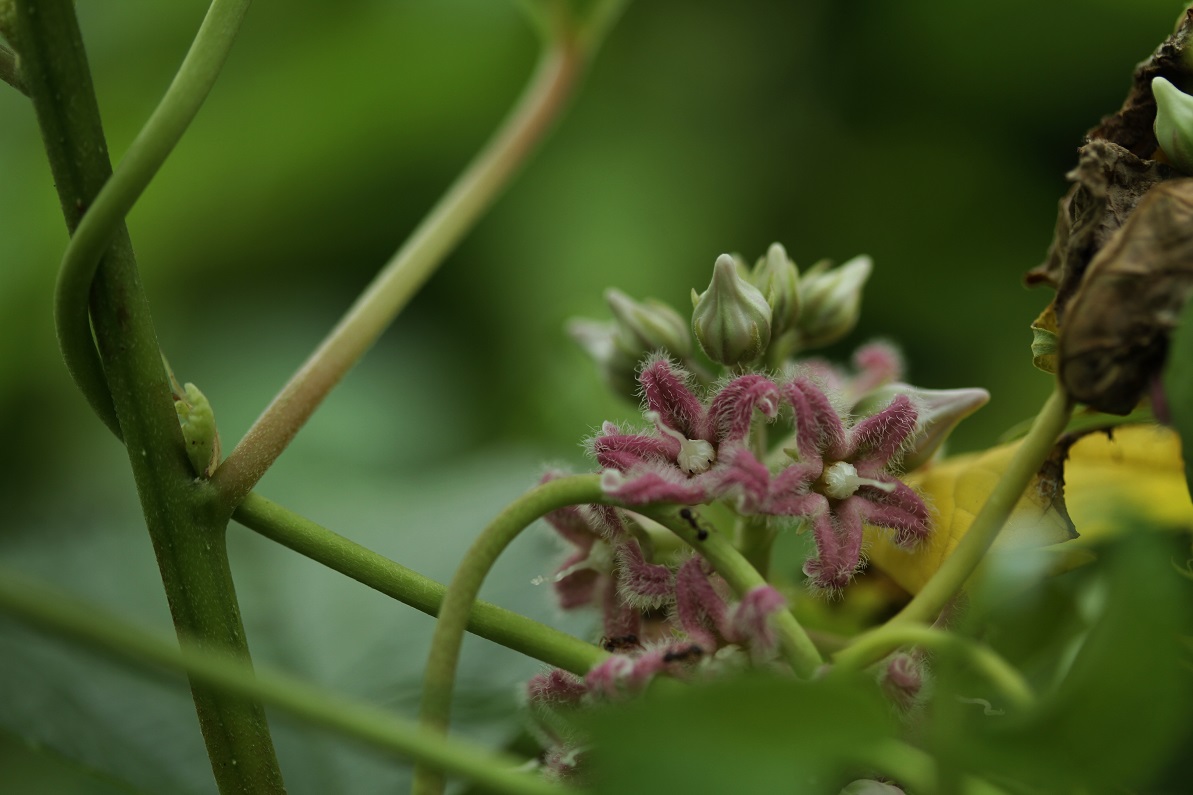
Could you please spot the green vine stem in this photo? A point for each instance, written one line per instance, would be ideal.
(103, 220)
(443, 660)
(957, 568)
(755, 539)
(1009, 683)
(472, 193)
(444, 657)
(185, 523)
(51, 610)
(378, 572)
(915, 770)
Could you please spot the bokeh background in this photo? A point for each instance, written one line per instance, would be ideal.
(932, 136)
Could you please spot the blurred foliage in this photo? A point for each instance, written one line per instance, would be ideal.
(931, 136)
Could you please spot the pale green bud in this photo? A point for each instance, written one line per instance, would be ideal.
(732, 318)
(778, 279)
(604, 344)
(1174, 123)
(650, 325)
(831, 300)
(938, 412)
(198, 430)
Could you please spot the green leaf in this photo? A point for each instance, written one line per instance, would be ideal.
(753, 735)
(1119, 713)
(1178, 384)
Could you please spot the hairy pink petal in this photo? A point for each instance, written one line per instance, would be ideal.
(749, 622)
(875, 440)
(578, 588)
(606, 678)
(666, 392)
(791, 493)
(837, 553)
(819, 432)
(620, 619)
(655, 485)
(732, 410)
(641, 584)
(901, 510)
(698, 607)
(556, 688)
(570, 523)
(746, 476)
(876, 363)
(624, 451)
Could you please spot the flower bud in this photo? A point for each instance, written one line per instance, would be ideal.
(649, 325)
(198, 430)
(1174, 123)
(604, 343)
(732, 318)
(938, 412)
(778, 279)
(830, 301)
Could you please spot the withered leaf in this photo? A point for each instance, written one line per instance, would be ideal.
(1114, 333)
(1131, 126)
(1109, 183)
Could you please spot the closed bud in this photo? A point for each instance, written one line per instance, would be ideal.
(1174, 123)
(938, 412)
(198, 430)
(605, 344)
(649, 325)
(831, 300)
(778, 279)
(732, 318)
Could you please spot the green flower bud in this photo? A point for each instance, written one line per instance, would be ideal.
(831, 300)
(605, 344)
(198, 430)
(1174, 123)
(778, 279)
(732, 318)
(650, 325)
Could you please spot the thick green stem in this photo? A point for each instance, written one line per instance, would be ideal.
(755, 539)
(957, 568)
(444, 658)
(502, 626)
(1009, 683)
(798, 649)
(472, 193)
(227, 674)
(185, 523)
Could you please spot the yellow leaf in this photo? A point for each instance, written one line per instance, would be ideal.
(1136, 470)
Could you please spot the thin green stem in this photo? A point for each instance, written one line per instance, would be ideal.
(497, 624)
(798, 649)
(1024, 466)
(51, 610)
(103, 221)
(915, 770)
(1009, 683)
(957, 568)
(185, 523)
(10, 71)
(755, 539)
(444, 658)
(472, 193)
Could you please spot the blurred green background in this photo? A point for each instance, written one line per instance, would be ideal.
(932, 136)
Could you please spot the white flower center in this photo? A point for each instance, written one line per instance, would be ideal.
(695, 455)
(841, 481)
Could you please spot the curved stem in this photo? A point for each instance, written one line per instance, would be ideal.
(51, 610)
(798, 649)
(915, 770)
(404, 274)
(1009, 683)
(497, 624)
(444, 658)
(103, 220)
(184, 520)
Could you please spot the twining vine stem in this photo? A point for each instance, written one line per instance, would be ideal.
(479, 185)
